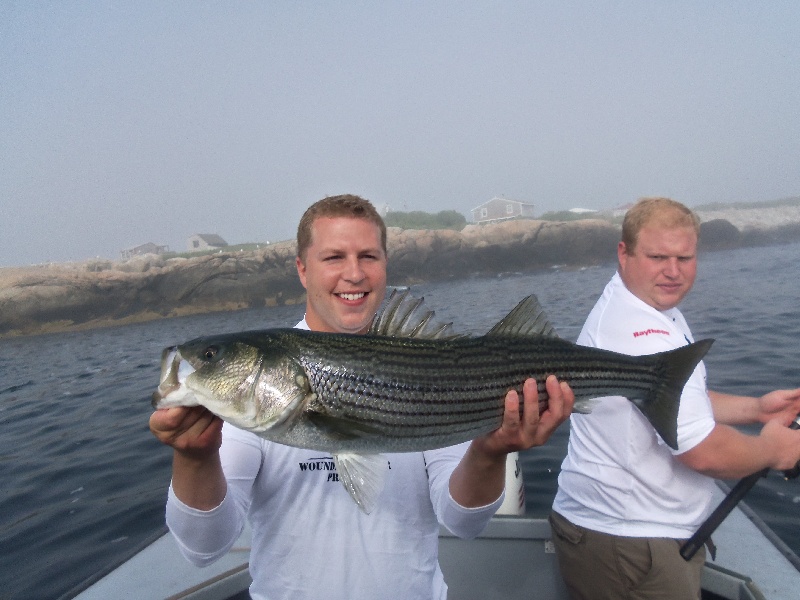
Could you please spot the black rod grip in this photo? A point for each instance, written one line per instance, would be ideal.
(703, 533)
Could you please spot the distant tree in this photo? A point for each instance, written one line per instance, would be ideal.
(451, 219)
(417, 219)
(566, 215)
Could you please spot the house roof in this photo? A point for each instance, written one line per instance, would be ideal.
(140, 246)
(212, 239)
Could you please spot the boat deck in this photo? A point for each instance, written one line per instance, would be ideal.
(513, 559)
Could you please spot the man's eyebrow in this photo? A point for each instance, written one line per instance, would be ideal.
(667, 255)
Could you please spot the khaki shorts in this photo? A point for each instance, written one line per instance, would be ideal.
(599, 566)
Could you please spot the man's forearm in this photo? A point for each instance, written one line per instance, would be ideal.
(734, 410)
(478, 480)
(199, 483)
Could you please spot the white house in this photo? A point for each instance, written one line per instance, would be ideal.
(205, 241)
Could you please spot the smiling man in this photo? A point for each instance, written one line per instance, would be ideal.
(341, 261)
(625, 499)
(310, 540)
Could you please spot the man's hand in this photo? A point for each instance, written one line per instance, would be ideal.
(531, 429)
(195, 436)
(783, 405)
(479, 478)
(191, 431)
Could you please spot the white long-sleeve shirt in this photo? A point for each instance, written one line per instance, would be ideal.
(311, 541)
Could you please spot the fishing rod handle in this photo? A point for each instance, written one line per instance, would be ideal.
(794, 471)
(698, 540)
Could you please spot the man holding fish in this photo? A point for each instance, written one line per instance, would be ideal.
(310, 540)
(625, 499)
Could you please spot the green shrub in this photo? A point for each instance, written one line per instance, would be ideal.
(446, 219)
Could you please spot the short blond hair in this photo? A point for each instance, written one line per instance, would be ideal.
(343, 205)
(662, 212)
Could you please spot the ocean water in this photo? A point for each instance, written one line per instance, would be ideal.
(83, 482)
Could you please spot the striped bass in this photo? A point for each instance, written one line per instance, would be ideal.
(409, 385)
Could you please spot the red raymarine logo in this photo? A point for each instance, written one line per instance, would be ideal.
(649, 331)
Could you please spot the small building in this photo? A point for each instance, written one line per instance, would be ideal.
(148, 248)
(205, 241)
(501, 209)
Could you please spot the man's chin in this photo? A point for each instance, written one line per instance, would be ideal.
(355, 325)
(669, 301)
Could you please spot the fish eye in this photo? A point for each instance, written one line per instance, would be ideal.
(211, 352)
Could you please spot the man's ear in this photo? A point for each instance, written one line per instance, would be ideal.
(622, 254)
(301, 271)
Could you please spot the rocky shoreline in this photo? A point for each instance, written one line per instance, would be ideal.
(74, 296)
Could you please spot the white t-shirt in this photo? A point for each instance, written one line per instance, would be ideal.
(311, 541)
(619, 476)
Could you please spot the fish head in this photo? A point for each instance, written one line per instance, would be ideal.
(250, 385)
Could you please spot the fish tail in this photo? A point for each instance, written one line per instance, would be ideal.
(661, 409)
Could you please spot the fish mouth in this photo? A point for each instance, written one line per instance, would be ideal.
(170, 381)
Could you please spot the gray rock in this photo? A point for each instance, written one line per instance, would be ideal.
(96, 293)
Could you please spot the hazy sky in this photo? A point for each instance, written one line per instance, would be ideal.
(123, 123)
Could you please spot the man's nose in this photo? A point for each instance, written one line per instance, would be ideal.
(353, 271)
(672, 268)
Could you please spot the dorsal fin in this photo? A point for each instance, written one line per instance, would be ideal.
(403, 315)
(527, 318)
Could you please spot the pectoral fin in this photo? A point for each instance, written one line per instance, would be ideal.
(363, 476)
(343, 429)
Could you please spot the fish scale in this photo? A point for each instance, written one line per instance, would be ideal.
(464, 380)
